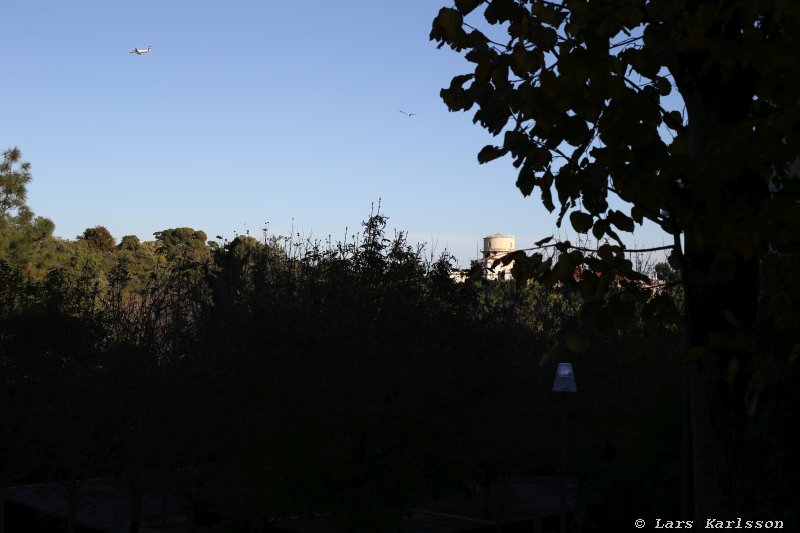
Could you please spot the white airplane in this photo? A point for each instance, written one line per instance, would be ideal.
(139, 51)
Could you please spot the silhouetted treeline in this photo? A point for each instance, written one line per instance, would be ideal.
(286, 378)
(276, 377)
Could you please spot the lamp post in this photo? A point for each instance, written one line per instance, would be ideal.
(563, 383)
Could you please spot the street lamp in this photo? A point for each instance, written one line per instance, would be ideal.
(564, 382)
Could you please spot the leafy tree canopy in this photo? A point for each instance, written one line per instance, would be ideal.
(21, 233)
(583, 97)
(688, 111)
(14, 178)
(185, 244)
(130, 243)
(98, 238)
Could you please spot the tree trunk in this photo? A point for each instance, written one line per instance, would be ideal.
(715, 476)
(721, 285)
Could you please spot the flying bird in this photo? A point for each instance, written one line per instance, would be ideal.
(140, 51)
(407, 114)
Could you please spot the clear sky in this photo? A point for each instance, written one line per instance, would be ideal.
(252, 112)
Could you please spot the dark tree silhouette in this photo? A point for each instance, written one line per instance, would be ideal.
(579, 91)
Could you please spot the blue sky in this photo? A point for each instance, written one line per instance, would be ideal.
(249, 112)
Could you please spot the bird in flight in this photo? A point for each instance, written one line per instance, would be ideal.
(407, 114)
(140, 51)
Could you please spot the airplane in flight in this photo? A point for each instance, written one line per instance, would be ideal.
(140, 51)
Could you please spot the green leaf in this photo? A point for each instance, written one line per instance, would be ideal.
(606, 252)
(545, 184)
(449, 20)
(582, 222)
(544, 38)
(538, 158)
(456, 99)
(637, 214)
(516, 141)
(523, 61)
(563, 247)
(492, 115)
(621, 221)
(552, 15)
(599, 229)
(501, 11)
(662, 85)
(467, 6)
(576, 132)
(490, 153)
(526, 180)
(673, 120)
(459, 81)
(447, 28)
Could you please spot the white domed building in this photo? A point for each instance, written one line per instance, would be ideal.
(494, 247)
